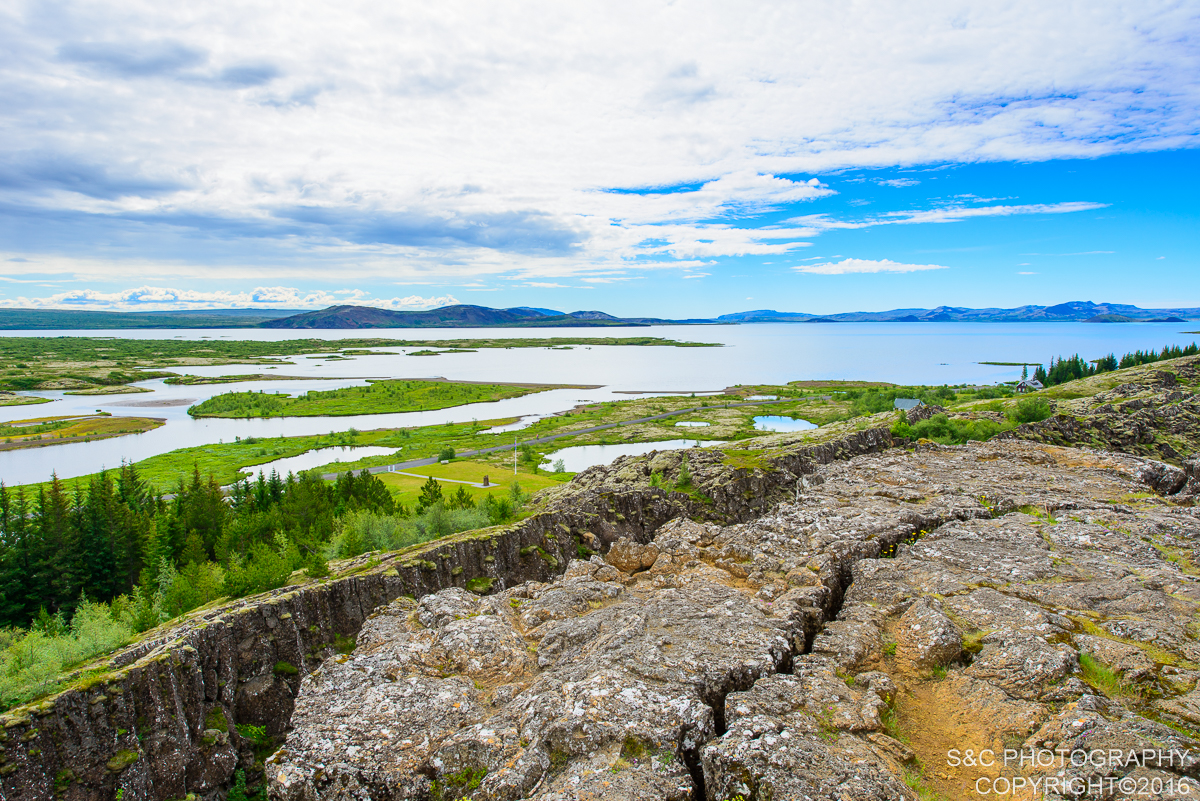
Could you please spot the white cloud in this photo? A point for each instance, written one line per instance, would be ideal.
(1026, 273)
(150, 298)
(865, 266)
(899, 183)
(245, 127)
(696, 275)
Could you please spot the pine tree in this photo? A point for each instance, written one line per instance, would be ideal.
(431, 493)
(685, 473)
(461, 499)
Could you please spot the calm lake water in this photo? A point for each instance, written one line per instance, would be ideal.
(581, 457)
(782, 424)
(926, 353)
(318, 457)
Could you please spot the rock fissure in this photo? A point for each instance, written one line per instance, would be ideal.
(907, 632)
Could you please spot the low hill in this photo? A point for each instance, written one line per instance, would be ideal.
(460, 316)
(72, 319)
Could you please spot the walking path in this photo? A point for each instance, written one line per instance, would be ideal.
(401, 466)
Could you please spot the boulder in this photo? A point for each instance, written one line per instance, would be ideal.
(630, 557)
(926, 638)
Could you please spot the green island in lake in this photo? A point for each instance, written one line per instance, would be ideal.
(377, 397)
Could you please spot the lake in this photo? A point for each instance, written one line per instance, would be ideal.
(782, 424)
(580, 457)
(770, 353)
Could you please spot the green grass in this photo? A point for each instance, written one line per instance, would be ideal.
(406, 489)
(1102, 677)
(915, 778)
(378, 397)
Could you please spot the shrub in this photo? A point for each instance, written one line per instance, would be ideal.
(1031, 409)
(31, 663)
(941, 428)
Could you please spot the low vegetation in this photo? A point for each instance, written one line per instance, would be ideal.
(377, 397)
(13, 399)
(43, 431)
(956, 431)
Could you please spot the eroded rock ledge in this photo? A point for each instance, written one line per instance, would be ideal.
(902, 605)
(157, 720)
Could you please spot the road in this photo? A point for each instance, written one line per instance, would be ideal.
(391, 468)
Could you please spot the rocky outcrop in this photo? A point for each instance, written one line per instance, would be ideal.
(853, 642)
(159, 720)
(1154, 412)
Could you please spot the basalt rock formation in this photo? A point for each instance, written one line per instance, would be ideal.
(904, 606)
(1156, 414)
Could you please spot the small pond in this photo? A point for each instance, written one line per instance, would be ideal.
(782, 424)
(318, 457)
(581, 457)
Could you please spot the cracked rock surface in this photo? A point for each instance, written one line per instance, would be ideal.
(996, 595)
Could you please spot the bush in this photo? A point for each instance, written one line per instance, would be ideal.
(32, 661)
(941, 428)
(446, 454)
(361, 531)
(1031, 409)
(264, 569)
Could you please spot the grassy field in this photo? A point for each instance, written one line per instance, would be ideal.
(44, 431)
(378, 397)
(406, 489)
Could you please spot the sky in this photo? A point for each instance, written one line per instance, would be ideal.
(673, 159)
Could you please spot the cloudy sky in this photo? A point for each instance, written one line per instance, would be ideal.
(653, 158)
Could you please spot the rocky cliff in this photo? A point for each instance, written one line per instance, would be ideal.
(159, 720)
(867, 638)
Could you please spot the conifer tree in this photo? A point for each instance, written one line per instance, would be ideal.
(431, 493)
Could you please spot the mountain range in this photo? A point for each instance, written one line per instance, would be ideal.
(1073, 311)
(468, 316)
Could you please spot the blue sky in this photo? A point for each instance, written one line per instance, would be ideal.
(673, 159)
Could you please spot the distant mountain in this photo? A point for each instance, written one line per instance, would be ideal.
(592, 315)
(71, 319)
(1074, 311)
(467, 316)
(461, 316)
(546, 312)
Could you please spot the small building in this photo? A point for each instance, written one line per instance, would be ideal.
(906, 404)
(1028, 385)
